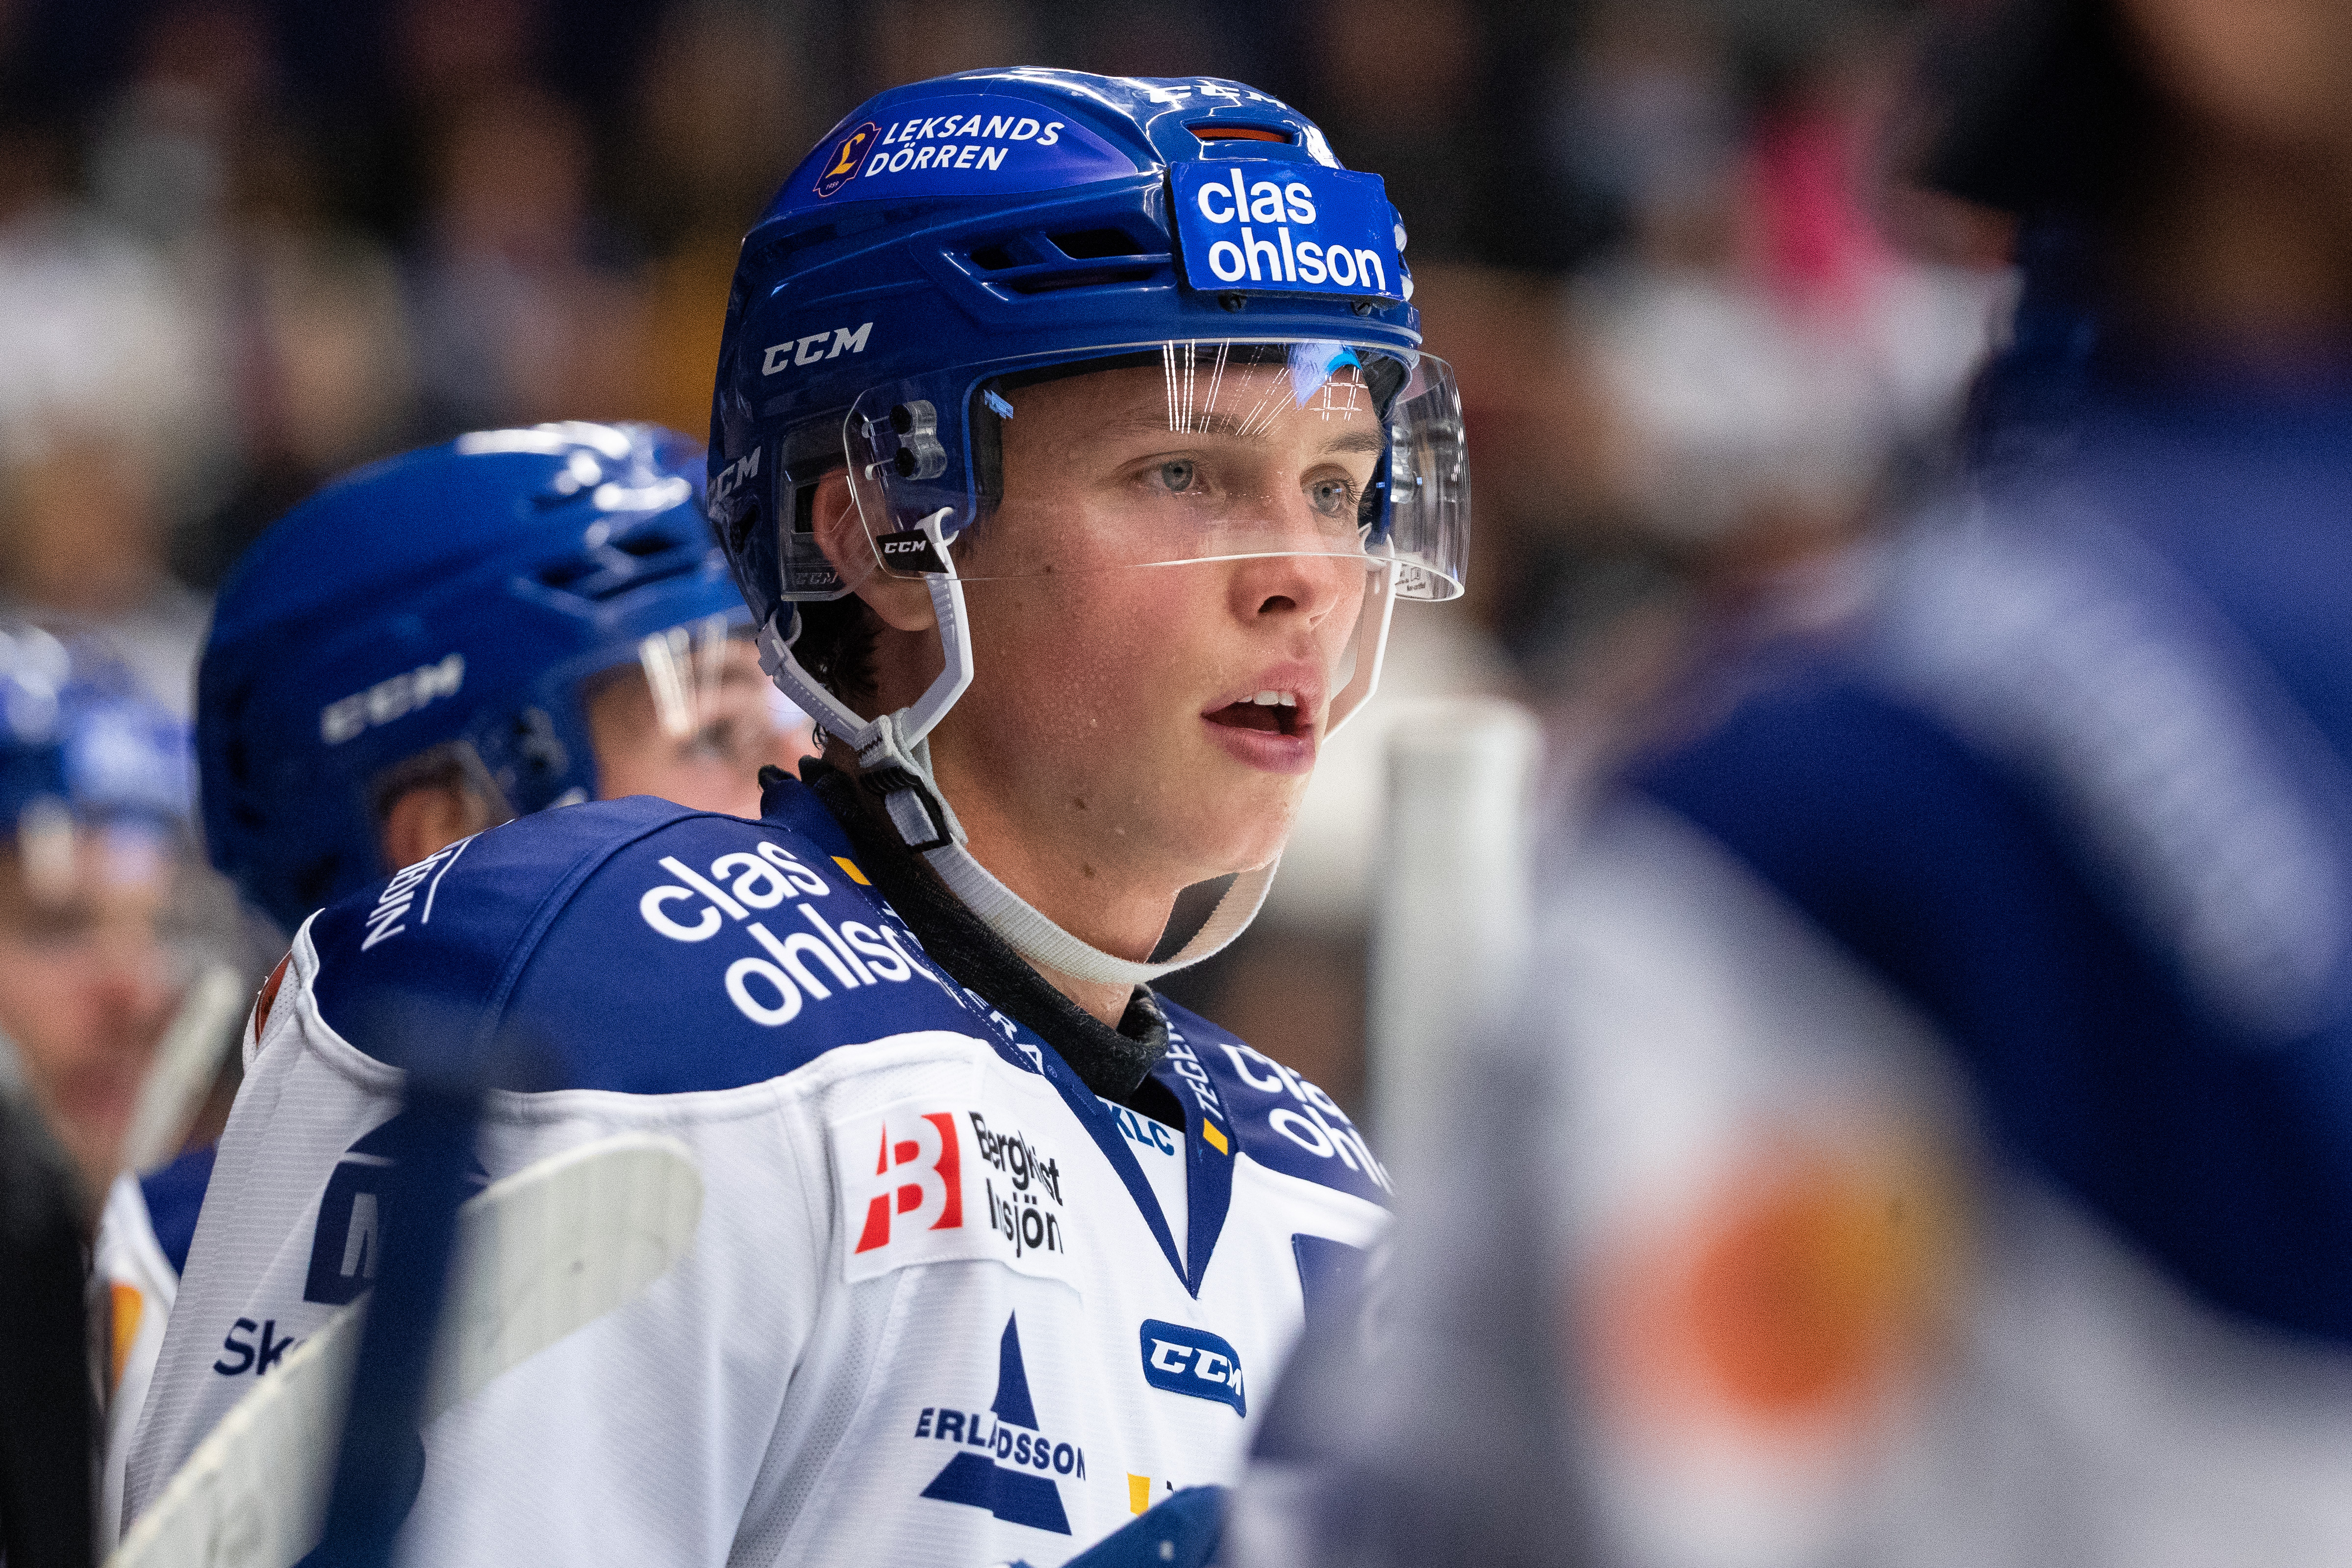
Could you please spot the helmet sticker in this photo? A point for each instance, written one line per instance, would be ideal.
(842, 168)
(1287, 229)
(966, 144)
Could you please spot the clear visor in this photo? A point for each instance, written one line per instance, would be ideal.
(1167, 454)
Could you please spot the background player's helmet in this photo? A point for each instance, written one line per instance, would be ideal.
(79, 742)
(951, 242)
(445, 608)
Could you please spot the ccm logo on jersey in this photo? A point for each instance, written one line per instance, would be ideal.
(404, 694)
(922, 1185)
(1192, 1362)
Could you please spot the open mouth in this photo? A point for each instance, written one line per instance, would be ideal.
(1272, 712)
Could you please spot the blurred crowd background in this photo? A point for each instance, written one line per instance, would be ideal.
(1704, 328)
(1710, 335)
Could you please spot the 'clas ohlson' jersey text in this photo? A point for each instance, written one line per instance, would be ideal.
(937, 1311)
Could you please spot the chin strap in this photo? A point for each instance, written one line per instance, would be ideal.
(893, 759)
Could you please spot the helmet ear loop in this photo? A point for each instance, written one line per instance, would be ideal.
(1371, 647)
(1374, 515)
(891, 753)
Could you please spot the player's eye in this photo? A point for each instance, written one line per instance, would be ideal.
(1177, 475)
(1332, 498)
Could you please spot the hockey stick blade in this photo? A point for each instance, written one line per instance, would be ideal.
(544, 1252)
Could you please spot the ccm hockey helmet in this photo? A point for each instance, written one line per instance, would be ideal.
(951, 243)
(444, 607)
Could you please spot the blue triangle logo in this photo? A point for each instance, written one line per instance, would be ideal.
(1011, 1403)
(1015, 1492)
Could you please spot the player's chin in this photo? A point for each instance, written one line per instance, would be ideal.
(1242, 817)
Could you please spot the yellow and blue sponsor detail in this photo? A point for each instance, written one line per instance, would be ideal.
(1277, 227)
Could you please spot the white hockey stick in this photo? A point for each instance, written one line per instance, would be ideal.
(1451, 926)
(545, 1251)
(186, 1062)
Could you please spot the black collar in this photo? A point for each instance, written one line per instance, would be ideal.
(1114, 1063)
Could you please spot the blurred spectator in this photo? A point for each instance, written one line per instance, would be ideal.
(907, 40)
(719, 111)
(523, 308)
(102, 373)
(316, 351)
(1767, 355)
(102, 898)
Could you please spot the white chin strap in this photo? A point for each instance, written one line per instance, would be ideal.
(895, 759)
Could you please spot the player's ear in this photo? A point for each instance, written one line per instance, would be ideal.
(902, 604)
(427, 817)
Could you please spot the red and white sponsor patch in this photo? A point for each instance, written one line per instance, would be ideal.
(922, 1182)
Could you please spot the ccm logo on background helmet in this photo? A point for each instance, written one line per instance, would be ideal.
(811, 349)
(389, 699)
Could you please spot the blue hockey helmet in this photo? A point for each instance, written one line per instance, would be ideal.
(79, 741)
(447, 603)
(949, 244)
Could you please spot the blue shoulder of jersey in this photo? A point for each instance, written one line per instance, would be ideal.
(1282, 1120)
(2090, 1059)
(633, 945)
(174, 1196)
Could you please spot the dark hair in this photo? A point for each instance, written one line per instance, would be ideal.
(836, 647)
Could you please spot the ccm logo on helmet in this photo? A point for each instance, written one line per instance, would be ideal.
(389, 699)
(811, 349)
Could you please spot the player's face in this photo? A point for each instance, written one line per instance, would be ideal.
(1112, 712)
(705, 755)
(88, 984)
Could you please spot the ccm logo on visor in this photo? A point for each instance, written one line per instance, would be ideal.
(1290, 228)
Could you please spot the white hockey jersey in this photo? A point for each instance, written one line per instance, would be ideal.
(143, 1234)
(937, 1311)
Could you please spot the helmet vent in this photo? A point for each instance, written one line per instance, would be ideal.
(1216, 131)
(639, 557)
(1092, 244)
(1030, 263)
(646, 542)
(1091, 277)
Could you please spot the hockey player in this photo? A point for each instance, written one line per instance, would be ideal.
(512, 620)
(1071, 445)
(93, 803)
(93, 852)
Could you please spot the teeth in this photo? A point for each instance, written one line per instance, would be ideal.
(1275, 699)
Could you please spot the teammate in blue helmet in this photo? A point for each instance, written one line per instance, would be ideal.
(93, 819)
(513, 620)
(1071, 445)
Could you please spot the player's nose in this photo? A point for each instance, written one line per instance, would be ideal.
(1308, 586)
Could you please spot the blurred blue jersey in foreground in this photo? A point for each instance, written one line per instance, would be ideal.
(2081, 792)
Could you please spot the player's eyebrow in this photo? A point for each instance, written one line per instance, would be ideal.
(1237, 427)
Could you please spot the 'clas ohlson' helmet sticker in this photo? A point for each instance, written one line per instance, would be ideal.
(1291, 227)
